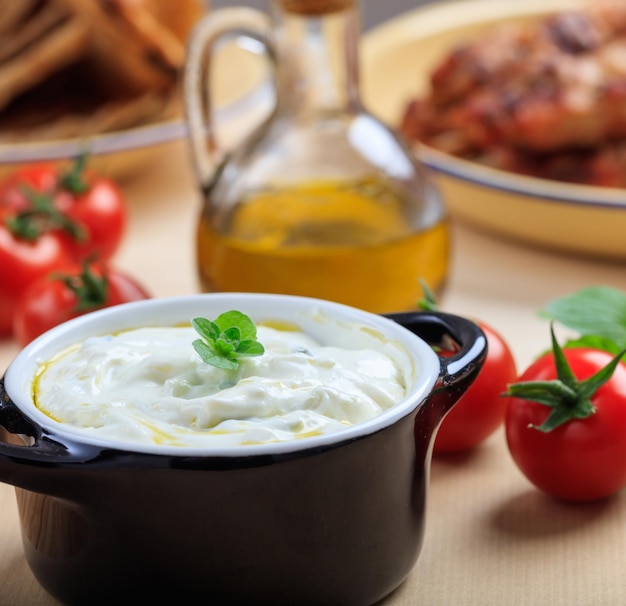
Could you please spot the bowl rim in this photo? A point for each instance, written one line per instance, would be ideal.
(521, 185)
(169, 310)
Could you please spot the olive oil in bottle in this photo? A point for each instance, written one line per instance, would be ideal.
(349, 243)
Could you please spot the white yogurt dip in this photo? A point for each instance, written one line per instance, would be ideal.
(149, 386)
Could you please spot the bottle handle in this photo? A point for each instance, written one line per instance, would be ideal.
(240, 21)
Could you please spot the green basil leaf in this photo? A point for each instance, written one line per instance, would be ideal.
(233, 334)
(224, 347)
(206, 329)
(593, 342)
(240, 320)
(596, 310)
(250, 348)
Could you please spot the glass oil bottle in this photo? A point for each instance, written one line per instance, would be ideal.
(322, 199)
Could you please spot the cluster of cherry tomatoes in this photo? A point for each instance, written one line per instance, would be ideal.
(564, 417)
(59, 229)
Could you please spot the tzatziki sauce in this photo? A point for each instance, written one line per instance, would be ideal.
(149, 386)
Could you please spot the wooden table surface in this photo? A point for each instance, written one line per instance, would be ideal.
(491, 539)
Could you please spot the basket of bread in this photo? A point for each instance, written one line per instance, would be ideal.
(71, 70)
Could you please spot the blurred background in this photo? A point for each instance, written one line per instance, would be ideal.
(372, 11)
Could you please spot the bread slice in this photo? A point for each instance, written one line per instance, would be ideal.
(62, 44)
(129, 50)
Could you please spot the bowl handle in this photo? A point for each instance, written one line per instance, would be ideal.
(23, 465)
(461, 346)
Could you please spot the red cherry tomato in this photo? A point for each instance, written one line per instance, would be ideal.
(481, 410)
(21, 263)
(68, 293)
(582, 459)
(85, 210)
(100, 212)
(14, 189)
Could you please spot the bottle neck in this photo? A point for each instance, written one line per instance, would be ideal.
(317, 47)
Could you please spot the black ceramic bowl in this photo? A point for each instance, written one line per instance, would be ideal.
(330, 519)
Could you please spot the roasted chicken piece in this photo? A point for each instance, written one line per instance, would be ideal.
(525, 92)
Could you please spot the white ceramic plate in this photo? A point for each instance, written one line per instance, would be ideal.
(397, 59)
(122, 152)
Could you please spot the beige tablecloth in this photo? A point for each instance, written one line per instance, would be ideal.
(491, 539)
